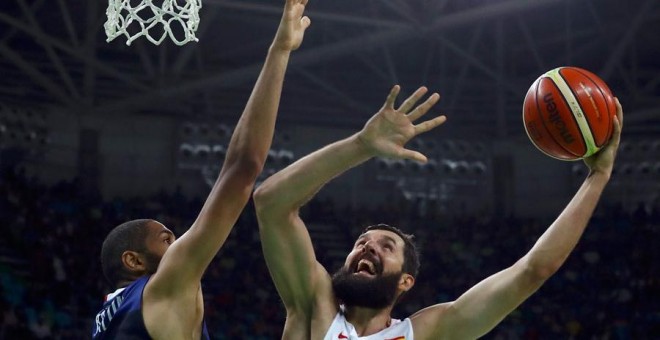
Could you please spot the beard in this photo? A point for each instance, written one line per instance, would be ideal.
(370, 292)
(151, 262)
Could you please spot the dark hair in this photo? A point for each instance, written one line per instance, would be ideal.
(129, 235)
(410, 251)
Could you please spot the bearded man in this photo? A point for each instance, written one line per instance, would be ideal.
(357, 301)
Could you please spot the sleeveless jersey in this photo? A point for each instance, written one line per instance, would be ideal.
(121, 315)
(342, 329)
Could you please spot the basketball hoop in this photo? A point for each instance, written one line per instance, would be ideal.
(154, 22)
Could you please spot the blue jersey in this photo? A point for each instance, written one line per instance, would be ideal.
(121, 315)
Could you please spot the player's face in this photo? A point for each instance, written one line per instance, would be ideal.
(372, 274)
(158, 240)
(375, 253)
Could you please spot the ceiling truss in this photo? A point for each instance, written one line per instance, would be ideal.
(481, 55)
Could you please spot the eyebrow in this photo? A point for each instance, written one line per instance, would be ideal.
(168, 232)
(390, 239)
(386, 237)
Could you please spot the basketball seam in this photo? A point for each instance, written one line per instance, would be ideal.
(575, 119)
(610, 126)
(584, 114)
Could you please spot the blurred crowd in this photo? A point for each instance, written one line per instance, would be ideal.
(51, 283)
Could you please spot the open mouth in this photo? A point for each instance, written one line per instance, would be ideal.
(365, 267)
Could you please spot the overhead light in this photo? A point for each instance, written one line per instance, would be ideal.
(186, 150)
(271, 157)
(285, 156)
(447, 166)
(219, 151)
(478, 168)
(462, 167)
(202, 151)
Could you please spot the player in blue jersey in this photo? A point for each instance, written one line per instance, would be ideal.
(158, 278)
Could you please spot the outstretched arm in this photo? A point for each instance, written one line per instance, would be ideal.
(287, 247)
(186, 260)
(482, 307)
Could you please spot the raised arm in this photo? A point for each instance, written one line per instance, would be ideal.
(287, 247)
(186, 260)
(481, 308)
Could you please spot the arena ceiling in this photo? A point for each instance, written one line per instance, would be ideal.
(480, 55)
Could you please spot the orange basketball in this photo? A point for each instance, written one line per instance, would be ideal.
(568, 113)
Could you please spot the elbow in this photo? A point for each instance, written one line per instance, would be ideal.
(541, 270)
(251, 167)
(270, 206)
(543, 273)
(245, 167)
(263, 198)
(264, 206)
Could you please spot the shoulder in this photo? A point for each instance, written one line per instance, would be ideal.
(138, 285)
(430, 322)
(131, 295)
(121, 312)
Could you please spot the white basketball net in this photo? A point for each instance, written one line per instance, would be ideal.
(146, 19)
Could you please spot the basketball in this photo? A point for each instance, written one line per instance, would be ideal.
(568, 113)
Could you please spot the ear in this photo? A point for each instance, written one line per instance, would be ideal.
(132, 261)
(406, 282)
